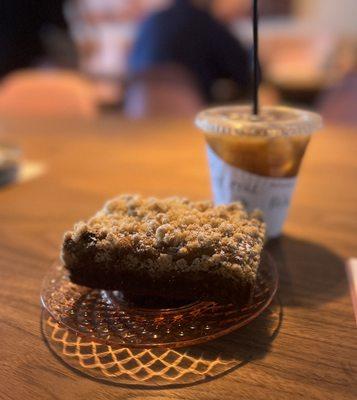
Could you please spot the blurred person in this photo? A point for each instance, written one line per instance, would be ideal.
(25, 29)
(193, 34)
(337, 104)
(229, 11)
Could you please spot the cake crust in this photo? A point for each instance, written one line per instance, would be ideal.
(170, 248)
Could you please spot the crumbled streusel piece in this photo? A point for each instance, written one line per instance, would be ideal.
(146, 245)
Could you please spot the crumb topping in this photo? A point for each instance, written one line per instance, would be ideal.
(175, 234)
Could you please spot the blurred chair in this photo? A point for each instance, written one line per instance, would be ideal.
(338, 104)
(162, 91)
(47, 93)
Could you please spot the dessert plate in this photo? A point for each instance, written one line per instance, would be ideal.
(104, 316)
(161, 367)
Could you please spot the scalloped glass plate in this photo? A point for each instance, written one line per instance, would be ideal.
(106, 317)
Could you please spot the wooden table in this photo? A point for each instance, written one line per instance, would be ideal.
(313, 351)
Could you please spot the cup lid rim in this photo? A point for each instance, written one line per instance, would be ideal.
(273, 121)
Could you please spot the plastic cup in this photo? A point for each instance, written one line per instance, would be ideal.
(256, 159)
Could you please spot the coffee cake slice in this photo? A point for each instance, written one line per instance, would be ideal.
(172, 248)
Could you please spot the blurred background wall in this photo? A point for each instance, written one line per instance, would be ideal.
(103, 30)
(308, 47)
(338, 16)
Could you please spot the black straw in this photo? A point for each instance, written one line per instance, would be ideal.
(256, 78)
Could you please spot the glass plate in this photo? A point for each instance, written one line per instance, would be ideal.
(104, 316)
(160, 367)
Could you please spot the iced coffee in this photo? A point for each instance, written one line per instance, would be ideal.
(256, 159)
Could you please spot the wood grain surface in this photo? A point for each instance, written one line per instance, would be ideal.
(314, 352)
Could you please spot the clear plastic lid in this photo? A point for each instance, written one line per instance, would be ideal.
(271, 122)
